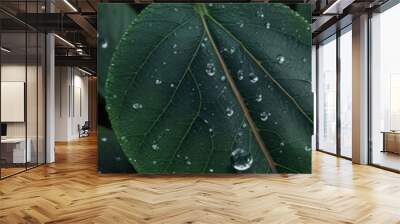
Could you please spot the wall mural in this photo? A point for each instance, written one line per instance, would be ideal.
(204, 88)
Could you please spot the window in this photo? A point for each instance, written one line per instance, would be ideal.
(346, 92)
(385, 89)
(327, 95)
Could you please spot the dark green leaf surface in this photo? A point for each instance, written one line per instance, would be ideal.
(191, 83)
(113, 20)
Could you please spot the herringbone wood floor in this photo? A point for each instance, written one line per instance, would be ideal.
(71, 191)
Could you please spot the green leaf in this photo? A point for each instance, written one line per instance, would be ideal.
(113, 20)
(221, 88)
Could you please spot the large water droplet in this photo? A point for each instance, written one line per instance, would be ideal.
(210, 70)
(158, 82)
(253, 77)
(211, 170)
(280, 59)
(155, 147)
(241, 159)
(137, 106)
(229, 112)
(264, 116)
(103, 139)
(259, 98)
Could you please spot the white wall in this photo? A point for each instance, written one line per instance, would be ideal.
(71, 102)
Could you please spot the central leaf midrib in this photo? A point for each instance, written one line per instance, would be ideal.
(236, 92)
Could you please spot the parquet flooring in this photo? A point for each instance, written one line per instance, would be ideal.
(71, 191)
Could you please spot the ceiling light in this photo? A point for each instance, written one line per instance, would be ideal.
(70, 5)
(84, 71)
(5, 50)
(64, 40)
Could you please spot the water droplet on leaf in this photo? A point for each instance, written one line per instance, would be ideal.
(229, 112)
(241, 159)
(210, 70)
(264, 116)
(253, 77)
(259, 98)
(280, 59)
(137, 106)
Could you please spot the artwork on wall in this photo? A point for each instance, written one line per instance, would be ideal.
(204, 88)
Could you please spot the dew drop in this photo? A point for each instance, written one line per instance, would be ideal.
(264, 116)
(203, 45)
(154, 162)
(137, 106)
(118, 158)
(172, 85)
(155, 147)
(304, 60)
(175, 52)
(188, 163)
(268, 25)
(176, 9)
(223, 78)
(259, 98)
(232, 50)
(260, 14)
(103, 139)
(186, 157)
(174, 46)
(164, 63)
(104, 44)
(158, 82)
(280, 59)
(253, 77)
(210, 130)
(211, 170)
(229, 112)
(241, 159)
(240, 74)
(307, 149)
(210, 70)
(241, 24)
(244, 125)
(178, 156)
(282, 144)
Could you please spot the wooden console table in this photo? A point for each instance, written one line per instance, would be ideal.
(391, 141)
